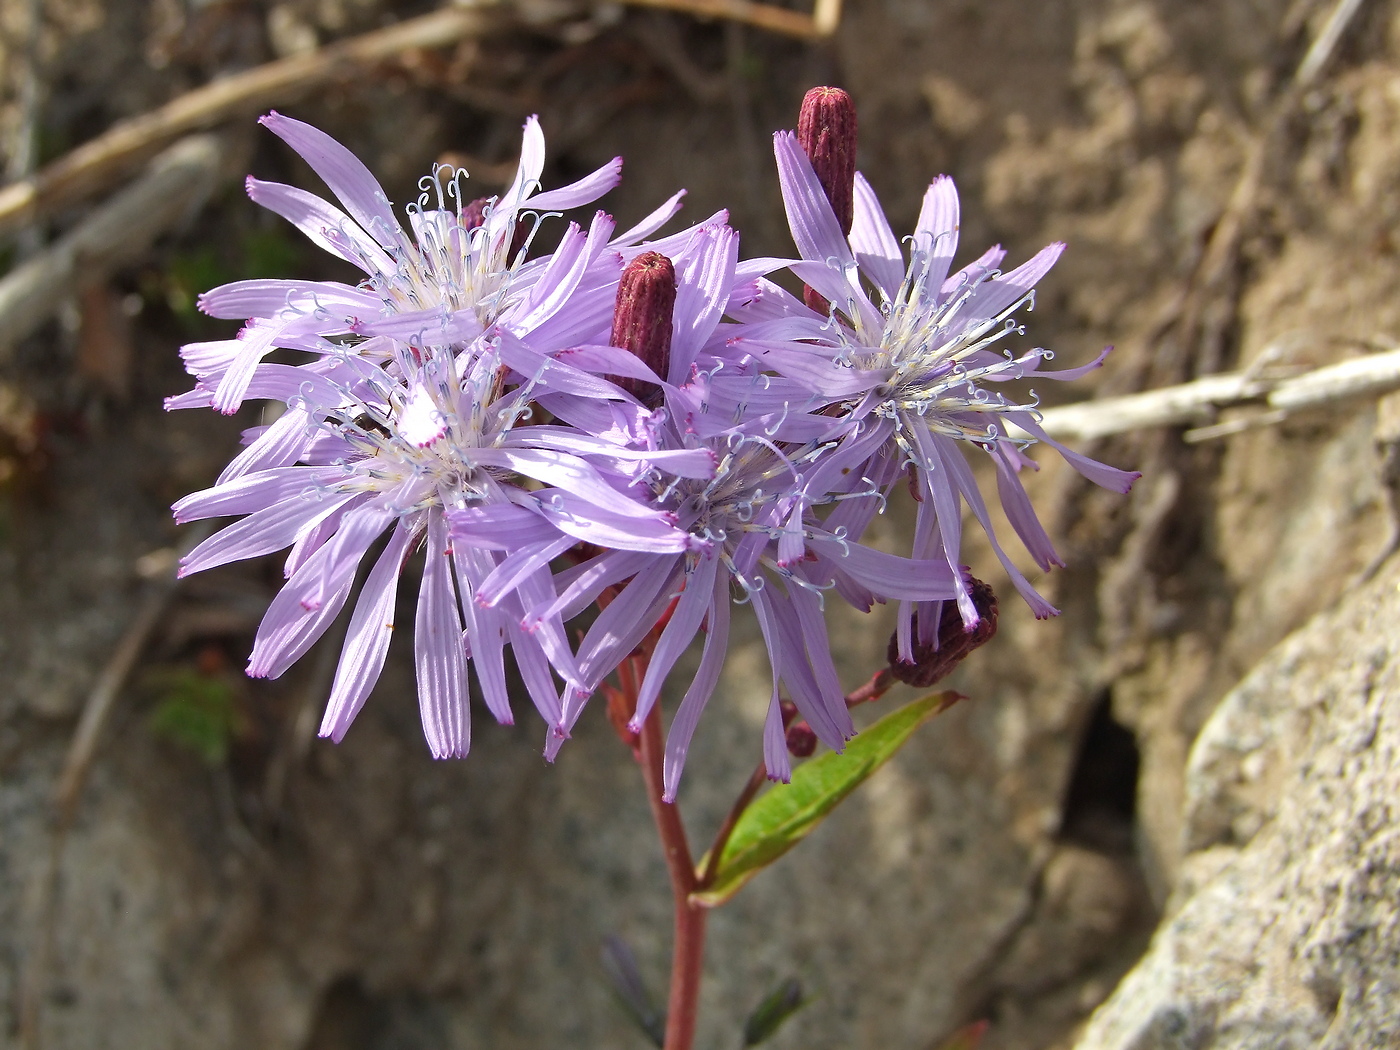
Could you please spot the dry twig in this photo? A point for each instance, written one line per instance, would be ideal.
(92, 165)
(822, 22)
(1199, 401)
(117, 232)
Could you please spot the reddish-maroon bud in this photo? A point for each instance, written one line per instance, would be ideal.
(474, 214)
(801, 740)
(932, 663)
(646, 299)
(826, 127)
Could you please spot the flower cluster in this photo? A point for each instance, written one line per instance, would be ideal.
(649, 426)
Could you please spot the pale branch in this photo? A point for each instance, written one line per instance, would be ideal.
(92, 165)
(1198, 403)
(822, 22)
(119, 231)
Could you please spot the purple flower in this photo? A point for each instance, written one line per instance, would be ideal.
(748, 520)
(416, 398)
(914, 365)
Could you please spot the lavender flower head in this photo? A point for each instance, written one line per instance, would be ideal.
(415, 397)
(911, 353)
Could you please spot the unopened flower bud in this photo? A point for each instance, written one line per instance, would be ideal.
(801, 740)
(826, 128)
(646, 298)
(935, 661)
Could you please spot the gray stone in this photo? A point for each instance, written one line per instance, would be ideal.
(1285, 925)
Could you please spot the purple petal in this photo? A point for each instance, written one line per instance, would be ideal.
(521, 562)
(685, 620)
(289, 628)
(1100, 474)
(886, 575)
(358, 529)
(534, 672)
(624, 623)
(701, 688)
(584, 191)
(279, 445)
(704, 280)
(262, 532)
(253, 492)
(440, 663)
(367, 640)
(348, 178)
(327, 226)
(875, 245)
(936, 231)
(776, 762)
(815, 229)
(1000, 293)
(486, 630)
(1021, 513)
(265, 298)
(651, 223)
(961, 475)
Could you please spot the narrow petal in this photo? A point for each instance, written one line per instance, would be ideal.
(327, 226)
(440, 663)
(367, 639)
(262, 532)
(936, 231)
(701, 688)
(279, 445)
(585, 191)
(815, 230)
(651, 223)
(876, 247)
(346, 175)
(1100, 474)
(776, 761)
(685, 620)
(704, 281)
(253, 492)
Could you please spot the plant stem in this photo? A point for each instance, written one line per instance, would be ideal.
(688, 950)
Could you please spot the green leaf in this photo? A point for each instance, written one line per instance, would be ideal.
(784, 815)
(781, 1003)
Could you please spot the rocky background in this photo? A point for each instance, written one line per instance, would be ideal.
(1197, 761)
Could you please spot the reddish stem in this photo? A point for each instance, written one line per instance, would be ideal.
(688, 951)
(880, 683)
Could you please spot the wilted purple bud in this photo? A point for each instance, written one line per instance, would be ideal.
(934, 662)
(826, 128)
(646, 297)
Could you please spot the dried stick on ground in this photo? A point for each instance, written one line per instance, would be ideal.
(116, 233)
(1199, 401)
(91, 166)
(822, 22)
